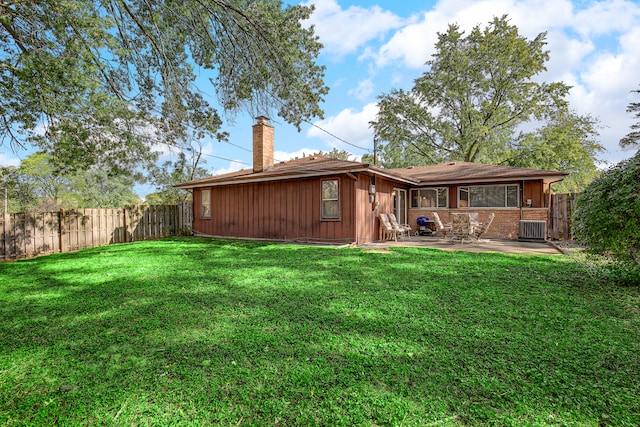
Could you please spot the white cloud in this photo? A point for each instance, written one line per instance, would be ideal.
(593, 47)
(283, 156)
(233, 166)
(8, 160)
(414, 44)
(566, 53)
(343, 31)
(602, 85)
(364, 89)
(348, 125)
(605, 17)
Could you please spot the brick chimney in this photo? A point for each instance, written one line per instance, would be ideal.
(262, 144)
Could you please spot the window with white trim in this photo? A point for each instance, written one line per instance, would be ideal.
(330, 199)
(437, 197)
(488, 196)
(205, 203)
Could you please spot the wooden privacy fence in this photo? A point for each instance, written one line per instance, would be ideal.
(25, 235)
(561, 213)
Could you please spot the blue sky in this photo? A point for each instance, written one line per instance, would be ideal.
(372, 46)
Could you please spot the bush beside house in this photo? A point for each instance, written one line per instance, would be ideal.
(607, 217)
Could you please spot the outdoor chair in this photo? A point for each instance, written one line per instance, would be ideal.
(388, 230)
(442, 228)
(405, 228)
(461, 228)
(474, 218)
(482, 229)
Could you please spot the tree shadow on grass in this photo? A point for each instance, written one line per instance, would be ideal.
(236, 332)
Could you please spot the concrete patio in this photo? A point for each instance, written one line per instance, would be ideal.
(482, 245)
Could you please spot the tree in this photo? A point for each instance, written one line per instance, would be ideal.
(170, 173)
(95, 188)
(6, 173)
(607, 216)
(633, 137)
(334, 154)
(566, 142)
(472, 102)
(21, 191)
(38, 172)
(98, 82)
(37, 185)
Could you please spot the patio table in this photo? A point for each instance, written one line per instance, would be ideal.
(462, 227)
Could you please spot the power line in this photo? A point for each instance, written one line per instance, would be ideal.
(224, 158)
(337, 137)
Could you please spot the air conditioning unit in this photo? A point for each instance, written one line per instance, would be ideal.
(533, 231)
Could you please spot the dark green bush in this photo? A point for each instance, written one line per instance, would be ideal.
(607, 217)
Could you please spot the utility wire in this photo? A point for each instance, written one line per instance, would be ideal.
(337, 137)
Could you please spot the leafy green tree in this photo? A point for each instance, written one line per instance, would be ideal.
(567, 142)
(37, 185)
(96, 188)
(334, 154)
(607, 216)
(185, 168)
(98, 82)
(633, 137)
(473, 101)
(38, 172)
(17, 196)
(154, 199)
(28, 189)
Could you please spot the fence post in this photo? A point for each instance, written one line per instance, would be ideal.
(136, 223)
(6, 241)
(61, 231)
(125, 225)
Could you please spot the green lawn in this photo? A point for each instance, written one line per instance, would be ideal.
(205, 332)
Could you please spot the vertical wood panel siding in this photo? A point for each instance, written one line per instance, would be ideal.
(367, 224)
(534, 190)
(279, 210)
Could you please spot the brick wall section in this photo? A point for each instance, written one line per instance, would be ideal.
(505, 225)
(263, 134)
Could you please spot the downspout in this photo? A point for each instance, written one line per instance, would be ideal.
(521, 197)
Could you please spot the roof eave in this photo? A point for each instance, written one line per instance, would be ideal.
(249, 180)
(498, 179)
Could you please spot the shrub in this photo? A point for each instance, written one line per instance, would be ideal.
(607, 216)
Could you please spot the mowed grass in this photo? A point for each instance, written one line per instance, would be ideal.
(207, 332)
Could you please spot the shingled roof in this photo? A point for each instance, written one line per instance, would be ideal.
(298, 168)
(459, 172)
(444, 173)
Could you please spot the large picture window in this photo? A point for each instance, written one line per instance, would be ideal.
(430, 197)
(205, 203)
(330, 201)
(488, 196)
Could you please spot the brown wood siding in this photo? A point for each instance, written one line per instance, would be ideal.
(366, 221)
(368, 224)
(384, 188)
(279, 210)
(534, 190)
(453, 197)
